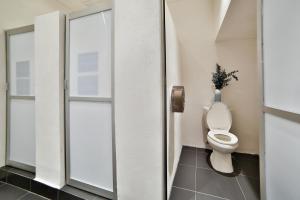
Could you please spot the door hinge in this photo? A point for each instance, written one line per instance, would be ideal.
(6, 86)
(66, 85)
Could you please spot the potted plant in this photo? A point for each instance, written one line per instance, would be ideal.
(221, 79)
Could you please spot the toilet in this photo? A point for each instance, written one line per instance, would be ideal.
(223, 142)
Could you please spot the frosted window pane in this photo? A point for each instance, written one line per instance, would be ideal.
(88, 85)
(91, 144)
(23, 87)
(88, 62)
(22, 69)
(282, 158)
(90, 53)
(21, 63)
(282, 54)
(22, 135)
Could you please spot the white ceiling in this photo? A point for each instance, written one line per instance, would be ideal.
(240, 21)
(80, 4)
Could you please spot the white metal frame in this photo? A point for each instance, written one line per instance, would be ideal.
(9, 97)
(68, 98)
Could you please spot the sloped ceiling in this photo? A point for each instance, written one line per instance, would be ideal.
(240, 21)
(80, 4)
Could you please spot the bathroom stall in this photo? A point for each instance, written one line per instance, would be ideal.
(89, 102)
(20, 152)
(280, 141)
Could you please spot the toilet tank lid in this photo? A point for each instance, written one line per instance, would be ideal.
(219, 117)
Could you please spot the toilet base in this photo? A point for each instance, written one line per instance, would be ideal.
(221, 161)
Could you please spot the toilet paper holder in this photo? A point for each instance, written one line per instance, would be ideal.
(178, 99)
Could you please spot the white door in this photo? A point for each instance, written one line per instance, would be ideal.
(281, 62)
(89, 103)
(20, 98)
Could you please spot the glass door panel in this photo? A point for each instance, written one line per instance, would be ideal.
(281, 30)
(89, 104)
(20, 98)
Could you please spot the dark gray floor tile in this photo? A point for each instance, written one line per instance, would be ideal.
(200, 196)
(246, 156)
(18, 181)
(210, 182)
(31, 196)
(19, 172)
(44, 190)
(72, 193)
(180, 194)
(188, 157)
(250, 187)
(185, 177)
(201, 150)
(189, 148)
(2, 175)
(9, 192)
(203, 159)
(248, 167)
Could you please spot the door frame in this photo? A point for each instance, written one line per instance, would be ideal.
(290, 116)
(8, 33)
(69, 181)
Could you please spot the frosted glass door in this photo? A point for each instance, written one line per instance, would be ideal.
(281, 50)
(20, 98)
(90, 104)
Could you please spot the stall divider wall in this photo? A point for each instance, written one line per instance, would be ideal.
(49, 90)
(139, 99)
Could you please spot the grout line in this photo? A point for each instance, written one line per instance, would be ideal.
(184, 189)
(3, 183)
(26, 190)
(252, 177)
(200, 192)
(24, 195)
(212, 195)
(187, 165)
(240, 187)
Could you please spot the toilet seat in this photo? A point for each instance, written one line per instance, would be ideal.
(219, 117)
(223, 137)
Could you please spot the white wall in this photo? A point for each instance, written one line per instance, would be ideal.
(194, 23)
(49, 99)
(174, 120)
(242, 97)
(139, 99)
(14, 14)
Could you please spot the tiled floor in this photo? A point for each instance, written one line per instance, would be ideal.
(10, 192)
(196, 180)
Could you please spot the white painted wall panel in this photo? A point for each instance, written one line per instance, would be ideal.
(49, 92)
(139, 99)
(174, 120)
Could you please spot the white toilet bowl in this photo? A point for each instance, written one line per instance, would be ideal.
(220, 139)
